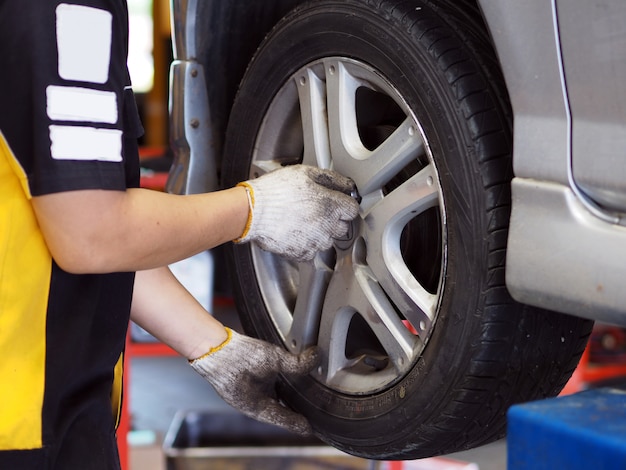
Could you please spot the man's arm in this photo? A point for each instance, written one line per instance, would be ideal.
(242, 370)
(294, 211)
(163, 307)
(96, 231)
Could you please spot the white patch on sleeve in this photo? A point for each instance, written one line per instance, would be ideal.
(85, 143)
(81, 104)
(84, 43)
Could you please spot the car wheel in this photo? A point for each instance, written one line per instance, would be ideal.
(423, 348)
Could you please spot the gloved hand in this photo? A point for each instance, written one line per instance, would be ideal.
(243, 371)
(297, 210)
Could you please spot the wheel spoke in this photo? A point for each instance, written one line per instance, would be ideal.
(314, 278)
(354, 290)
(387, 160)
(341, 87)
(335, 322)
(312, 96)
(388, 218)
(382, 318)
(369, 169)
(260, 167)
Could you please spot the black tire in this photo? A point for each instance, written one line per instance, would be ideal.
(478, 351)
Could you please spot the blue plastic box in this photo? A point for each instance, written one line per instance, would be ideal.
(586, 431)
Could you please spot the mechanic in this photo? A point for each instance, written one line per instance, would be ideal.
(83, 248)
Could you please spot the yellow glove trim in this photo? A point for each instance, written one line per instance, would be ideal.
(250, 194)
(229, 332)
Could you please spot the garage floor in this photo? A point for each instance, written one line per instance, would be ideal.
(161, 387)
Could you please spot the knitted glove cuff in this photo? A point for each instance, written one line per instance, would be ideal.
(250, 194)
(215, 349)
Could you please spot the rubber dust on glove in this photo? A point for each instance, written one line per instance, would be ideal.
(244, 371)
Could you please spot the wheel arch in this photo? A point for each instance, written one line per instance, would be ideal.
(222, 38)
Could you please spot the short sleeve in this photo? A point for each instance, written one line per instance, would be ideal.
(64, 94)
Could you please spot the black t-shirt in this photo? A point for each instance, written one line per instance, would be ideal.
(68, 121)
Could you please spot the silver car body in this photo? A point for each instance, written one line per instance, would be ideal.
(564, 63)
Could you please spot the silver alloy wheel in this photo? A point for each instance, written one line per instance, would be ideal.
(371, 302)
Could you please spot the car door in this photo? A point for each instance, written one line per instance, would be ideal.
(593, 48)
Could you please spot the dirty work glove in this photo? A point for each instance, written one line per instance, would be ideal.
(243, 371)
(297, 210)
